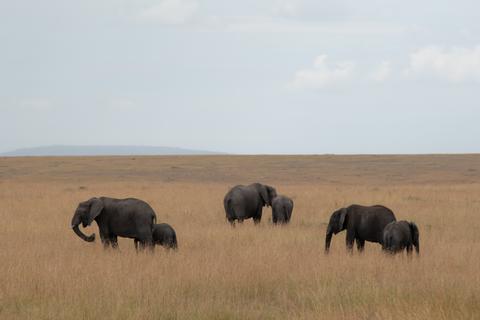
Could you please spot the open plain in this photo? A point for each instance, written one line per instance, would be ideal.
(246, 272)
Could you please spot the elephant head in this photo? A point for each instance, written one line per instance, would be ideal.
(266, 192)
(336, 224)
(415, 236)
(86, 212)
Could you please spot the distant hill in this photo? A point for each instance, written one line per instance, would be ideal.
(61, 150)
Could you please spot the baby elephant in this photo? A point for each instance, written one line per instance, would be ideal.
(399, 235)
(164, 235)
(282, 208)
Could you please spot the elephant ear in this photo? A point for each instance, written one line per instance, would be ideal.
(96, 206)
(272, 193)
(264, 194)
(341, 220)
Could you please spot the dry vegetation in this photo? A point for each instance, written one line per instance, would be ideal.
(219, 272)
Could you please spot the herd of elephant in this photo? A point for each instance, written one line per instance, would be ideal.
(135, 219)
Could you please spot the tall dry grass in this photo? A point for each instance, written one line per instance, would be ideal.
(247, 272)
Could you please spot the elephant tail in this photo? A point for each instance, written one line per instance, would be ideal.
(154, 220)
(175, 242)
(415, 236)
(285, 212)
(229, 208)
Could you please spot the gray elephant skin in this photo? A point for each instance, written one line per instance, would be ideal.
(245, 202)
(400, 235)
(163, 235)
(282, 208)
(129, 218)
(363, 223)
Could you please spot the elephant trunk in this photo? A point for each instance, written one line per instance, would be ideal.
(79, 233)
(328, 239)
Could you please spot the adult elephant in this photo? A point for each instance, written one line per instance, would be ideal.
(363, 223)
(245, 202)
(130, 218)
(282, 208)
(400, 235)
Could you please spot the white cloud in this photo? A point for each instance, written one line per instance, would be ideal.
(382, 72)
(271, 24)
(170, 12)
(323, 75)
(455, 64)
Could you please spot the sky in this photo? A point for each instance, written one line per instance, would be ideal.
(251, 76)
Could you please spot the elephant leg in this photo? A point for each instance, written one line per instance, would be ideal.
(105, 240)
(258, 216)
(114, 242)
(145, 244)
(149, 243)
(274, 219)
(135, 242)
(409, 249)
(106, 243)
(349, 240)
(105, 237)
(231, 221)
(360, 244)
(144, 235)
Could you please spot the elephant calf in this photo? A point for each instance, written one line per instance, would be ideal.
(163, 235)
(282, 208)
(400, 235)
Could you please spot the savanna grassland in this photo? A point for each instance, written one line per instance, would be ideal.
(247, 272)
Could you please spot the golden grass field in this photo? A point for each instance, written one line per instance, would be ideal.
(247, 272)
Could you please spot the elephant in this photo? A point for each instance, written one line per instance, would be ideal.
(163, 235)
(245, 202)
(363, 223)
(282, 208)
(130, 218)
(400, 235)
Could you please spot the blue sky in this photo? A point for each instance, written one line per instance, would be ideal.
(272, 76)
